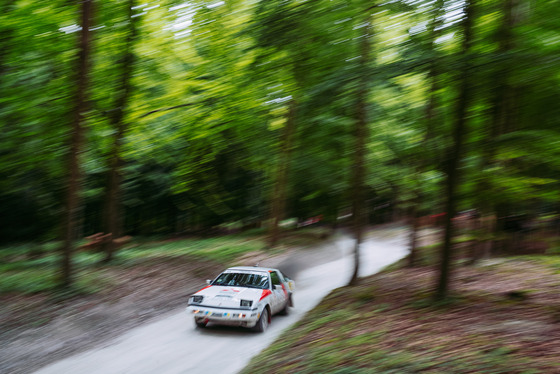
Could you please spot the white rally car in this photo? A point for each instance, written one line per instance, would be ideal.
(243, 296)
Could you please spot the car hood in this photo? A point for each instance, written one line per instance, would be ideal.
(229, 297)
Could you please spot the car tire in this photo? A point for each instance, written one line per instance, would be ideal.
(262, 323)
(200, 324)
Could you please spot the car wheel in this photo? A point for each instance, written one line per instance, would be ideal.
(262, 323)
(200, 324)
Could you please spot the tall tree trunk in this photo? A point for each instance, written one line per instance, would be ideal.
(75, 174)
(431, 117)
(455, 152)
(116, 119)
(504, 108)
(281, 182)
(360, 137)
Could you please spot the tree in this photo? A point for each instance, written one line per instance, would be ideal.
(278, 199)
(76, 141)
(359, 213)
(279, 29)
(454, 153)
(431, 118)
(117, 122)
(197, 133)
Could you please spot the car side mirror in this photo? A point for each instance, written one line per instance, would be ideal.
(208, 281)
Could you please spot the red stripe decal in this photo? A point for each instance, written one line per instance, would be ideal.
(284, 288)
(265, 293)
(204, 288)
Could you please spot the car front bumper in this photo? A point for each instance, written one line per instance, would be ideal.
(235, 317)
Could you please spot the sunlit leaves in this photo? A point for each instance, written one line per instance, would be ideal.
(212, 81)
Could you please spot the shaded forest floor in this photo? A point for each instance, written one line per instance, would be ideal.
(144, 284)
(504, 318)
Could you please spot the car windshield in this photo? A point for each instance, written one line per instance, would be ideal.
(252, 280)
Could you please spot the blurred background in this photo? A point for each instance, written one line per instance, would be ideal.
(147, 145)
(126, 119)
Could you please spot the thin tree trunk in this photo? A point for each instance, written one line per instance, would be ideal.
(454, 154)
(431, 115)
(113, 214)
(360, 137)
(75, 176)
(281, 183)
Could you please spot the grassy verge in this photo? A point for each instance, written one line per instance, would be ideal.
(32, 268)
(504, 318)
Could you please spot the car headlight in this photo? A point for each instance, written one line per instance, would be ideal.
(246, 303)
(197, 299)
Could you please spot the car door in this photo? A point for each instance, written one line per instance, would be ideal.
(287, 282)
(279, 292)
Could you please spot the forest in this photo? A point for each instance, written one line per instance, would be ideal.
(173, 118)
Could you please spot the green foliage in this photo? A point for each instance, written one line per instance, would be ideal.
(209, 91)
(22, 275)
(26, 281)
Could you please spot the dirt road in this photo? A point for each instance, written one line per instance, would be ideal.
(173, 345)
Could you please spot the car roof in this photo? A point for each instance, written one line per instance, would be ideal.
(251, 268)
